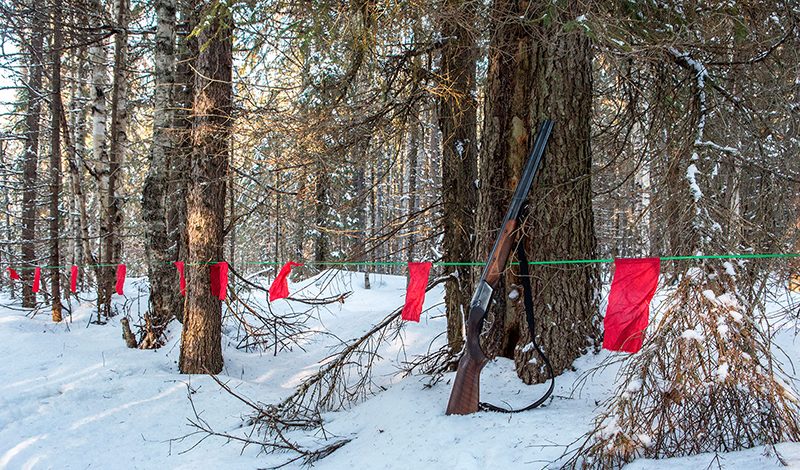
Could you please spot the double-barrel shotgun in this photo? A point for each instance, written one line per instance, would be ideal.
(465, 396)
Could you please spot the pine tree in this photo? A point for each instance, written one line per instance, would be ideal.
(541, 70)
(201, 342)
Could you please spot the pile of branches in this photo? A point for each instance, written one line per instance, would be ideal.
(705, 381)
(343, 379)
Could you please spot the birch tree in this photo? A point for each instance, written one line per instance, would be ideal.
(164, 297)
(99, 73)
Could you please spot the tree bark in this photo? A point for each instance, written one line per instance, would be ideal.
(79, 220)
(542, 71)
(321, 190)
(31, 160)
(413, 179)
(55, 158)
(164, 296)
(201, 342)
(458, 123)
(111, 216)
(97, 59)
(178, 186)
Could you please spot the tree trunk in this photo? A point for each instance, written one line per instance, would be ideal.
(55, 159)
(321, 189)
(8, 246)
(76, 165)
(458, 123)
(201, 343)
(542, 71)
(164, 297)
(178, 186)
(31, 160)
(77, 218)
(413, 178)
(111, 215)
(97, 59)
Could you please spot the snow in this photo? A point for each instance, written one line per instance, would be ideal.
(693, 334)
(722, 372)
(709, 294)
(72, 396)
(729, 270)
(691, 173)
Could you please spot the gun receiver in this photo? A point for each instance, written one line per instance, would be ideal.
(465, 396)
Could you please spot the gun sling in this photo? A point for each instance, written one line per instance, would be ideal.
(524, 272)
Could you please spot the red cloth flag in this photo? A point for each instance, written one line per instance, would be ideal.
(179, 265)
(13, 273)
(219, 280)
(280, 286)
(73, 279)
(36, 276)
(415, 294)
(634, 284)
(215, 279)
(120, 278)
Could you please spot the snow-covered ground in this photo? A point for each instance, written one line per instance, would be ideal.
(72, 396)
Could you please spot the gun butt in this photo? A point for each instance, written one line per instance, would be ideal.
(465, 396)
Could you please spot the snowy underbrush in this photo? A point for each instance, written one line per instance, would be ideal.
(73, 396)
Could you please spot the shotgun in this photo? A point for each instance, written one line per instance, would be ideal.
(464, 398)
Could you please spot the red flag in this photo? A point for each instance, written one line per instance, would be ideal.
(12, 273)
(415, 294)
(215, 279)
(633, 287)
(73, 279)
(36, 276)
(280, 287)
(219, 279)
(120, 278)
(179, 265)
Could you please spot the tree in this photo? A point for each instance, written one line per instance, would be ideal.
(541, 70)
(99, 72)
(31, 156)
(55, 158)
(458, 122)
(164, 297)
(201, 342)
(111, 213)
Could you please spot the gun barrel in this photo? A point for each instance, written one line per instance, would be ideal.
(502, 246)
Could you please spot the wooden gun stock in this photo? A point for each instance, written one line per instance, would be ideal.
(466, 389)
(465, 397)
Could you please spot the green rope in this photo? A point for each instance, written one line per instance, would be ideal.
(333, 263)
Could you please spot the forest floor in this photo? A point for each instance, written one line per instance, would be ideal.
(73, 396)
